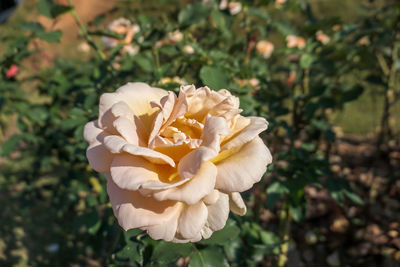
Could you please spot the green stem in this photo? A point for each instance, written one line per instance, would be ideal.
(392, 75)
(85, 32)
(306, 81)
(157, 59)
(385, 131)
(284, 232)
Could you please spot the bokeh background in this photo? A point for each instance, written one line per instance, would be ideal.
(324, 73)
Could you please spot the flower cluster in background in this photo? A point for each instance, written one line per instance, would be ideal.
(127, 30)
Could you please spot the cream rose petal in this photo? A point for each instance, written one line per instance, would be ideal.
(121, 109)
(211, 198)
(256, 126)
(127, 130)
(98, 156)
(171, 107)
(157, 124)
(237, 204)
(116, 144)
(135, 211)
(218, 213)
(137, 96)
(179, 239)
(213, 129)
(206, 232)
(134, 173)
(191, 163)
(201, 102)
(91, 131)
(239, 171)
(180, 108)
(192, 220)
(165, 231)
(217, 216)
(195, 189)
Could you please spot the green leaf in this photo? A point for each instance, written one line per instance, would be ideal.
(352, 94)
(144, 63)
(275, 190)
(208, 257)
(284, 27)
(222, 236)
(269, 238)
(59, 9)
(73, 122)
(298, 212)
(340, 188)
(166, 252)
(51, 37)
(44, 8)
(51, 10)
(271, 241)
(222, 21)
(38, 114)
(133, 252)
(192, 14)
(214, 78)
(354, 197)
(308, 147)
(234, 250)
(259, 13)
(32, 26)
(306, 60)
(90, 220)
(9, 145)
(169, 50)
(272, 198)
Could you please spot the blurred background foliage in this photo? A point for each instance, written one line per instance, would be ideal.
(326, 77)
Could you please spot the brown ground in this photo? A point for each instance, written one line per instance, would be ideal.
(87, 10)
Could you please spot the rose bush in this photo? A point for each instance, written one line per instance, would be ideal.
(175, 165)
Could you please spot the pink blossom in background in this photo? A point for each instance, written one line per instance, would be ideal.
(12, 71)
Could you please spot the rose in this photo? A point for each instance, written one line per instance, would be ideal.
(188, 49)
(278, 3)
(175, 165)
(123, 27)
(265, 48)
(175, 36)
(322, 37)
(233, 7)
(295, 41)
